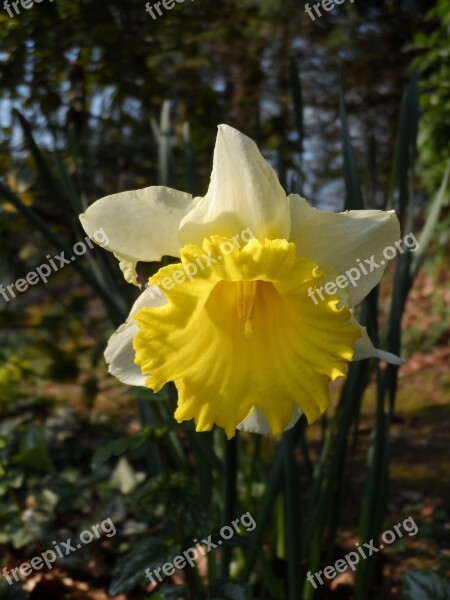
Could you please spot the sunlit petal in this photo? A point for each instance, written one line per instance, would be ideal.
(257, 423)
(141, 225)
(119, 353)
(365, 349)
(244, 193)
(345, 241)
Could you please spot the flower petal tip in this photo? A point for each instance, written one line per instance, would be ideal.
(390, 358)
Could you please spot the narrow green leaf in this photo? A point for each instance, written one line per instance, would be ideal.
(115, 312)
(229, 496)
(161, 133)
(353, 194)
(38, 157)
(424, 239)
(228, 590)
(265, 511)
(374, 499)
(292, 516)
(189, 160)
(54, 191)
(67, 185)
(405, 150)
(373, 171)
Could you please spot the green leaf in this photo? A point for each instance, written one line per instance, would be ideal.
(227, 590)
(264, 514)
(170, 593)
(129, 571)
(68, 186)
(189, 160)
(162, 135)
(62, 487)
(405, 150)
(117, 448)
(425, 585)
(40, 161)
(12, 592)
(426, 235)
(353, 194)
(116, 313)
(36, 458)
(182, 502)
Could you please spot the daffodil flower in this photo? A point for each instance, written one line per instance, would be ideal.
(242, 340)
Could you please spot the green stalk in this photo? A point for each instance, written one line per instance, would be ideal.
(189, 160)
(292, 522)
(353, 194)
(373, 497)
(229, 498)
(265, 509)
(279, 528)
(154, 463)
(193, 582)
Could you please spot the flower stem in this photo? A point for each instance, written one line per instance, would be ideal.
(292, 514)
(230, 498)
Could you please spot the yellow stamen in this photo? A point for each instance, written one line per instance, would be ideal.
(246, 303)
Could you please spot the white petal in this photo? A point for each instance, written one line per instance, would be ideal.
(257, 423)
(141, 225)
(339, 239)
(363, 348)
(244, 192)
(128, 268)
(119, 353)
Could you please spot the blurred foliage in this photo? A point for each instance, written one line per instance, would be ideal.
(91, 76)
(425, 585)
(433, 64)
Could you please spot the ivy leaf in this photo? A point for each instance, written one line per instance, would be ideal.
(117, 448)
(129, 571)
(36, 458)
(170, 593)
(227, 590)
(8, 592)
(425, 585)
